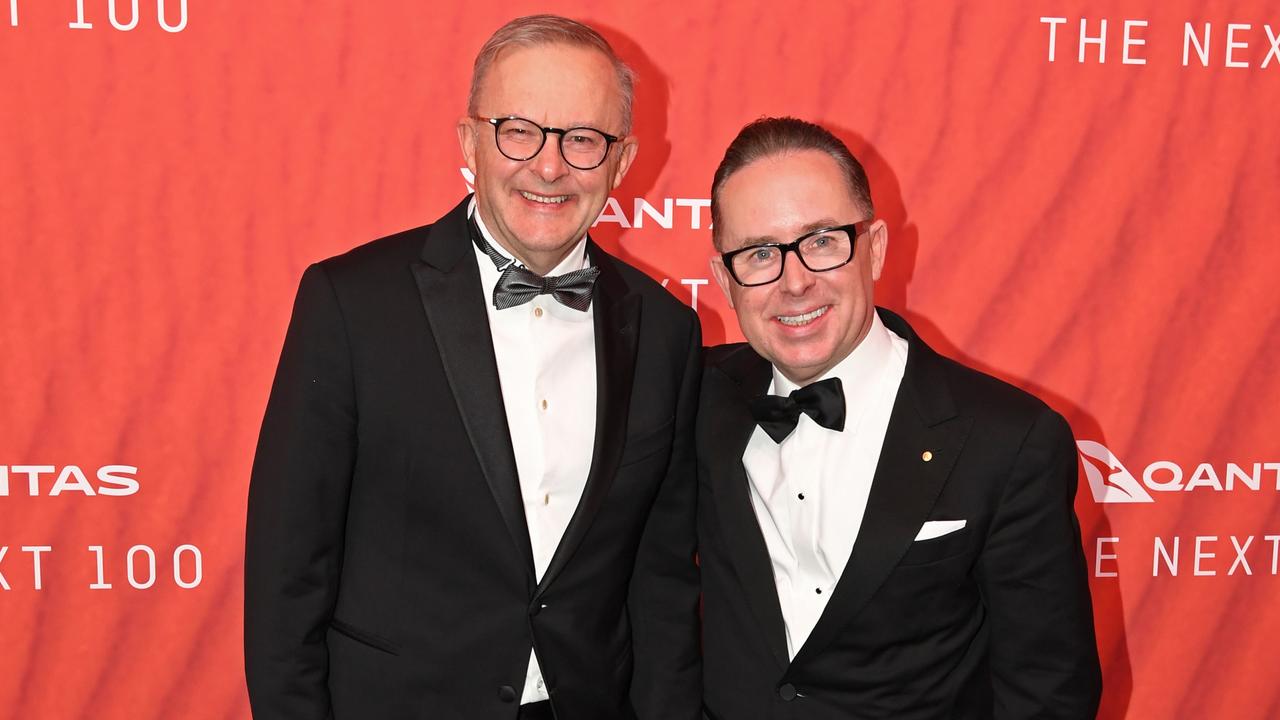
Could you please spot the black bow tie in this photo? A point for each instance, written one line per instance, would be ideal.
(518, 285)
(823, 401)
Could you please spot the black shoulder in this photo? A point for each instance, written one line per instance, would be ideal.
(717, 355)
(971, 390)
(657, 299)
(639, 282)
(1001, 407)
(391, 251)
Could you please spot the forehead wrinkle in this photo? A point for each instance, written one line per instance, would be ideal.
(594, 86)
(820, 225)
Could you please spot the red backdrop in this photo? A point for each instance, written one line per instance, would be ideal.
(1099, 231)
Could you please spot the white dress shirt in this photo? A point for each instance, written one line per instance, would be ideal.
(810, 491)
(547, 368)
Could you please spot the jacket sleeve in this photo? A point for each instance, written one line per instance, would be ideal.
(1044, 657)
(297, 509)
(662, 602)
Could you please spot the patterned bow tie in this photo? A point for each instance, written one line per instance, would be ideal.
(518, 285)
(823, 401)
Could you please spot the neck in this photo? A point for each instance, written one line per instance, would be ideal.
(540, 263)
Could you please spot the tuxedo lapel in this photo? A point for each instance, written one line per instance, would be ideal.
(449, 281)
(616, 315)
(730, 414)
(904, 488)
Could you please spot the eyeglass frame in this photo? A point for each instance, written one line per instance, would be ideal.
(853, 229)
(609, 140)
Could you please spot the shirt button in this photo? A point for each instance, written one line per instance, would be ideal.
(543, 404)
(801, 496)
(537, 312)
(818, 590)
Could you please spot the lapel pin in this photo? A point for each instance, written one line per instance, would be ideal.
(927, 455)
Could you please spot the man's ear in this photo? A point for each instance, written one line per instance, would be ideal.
(721, 274)
(467, 140)
(628, 146)
(878, 234)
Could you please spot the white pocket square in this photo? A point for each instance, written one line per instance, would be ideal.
(937, 528)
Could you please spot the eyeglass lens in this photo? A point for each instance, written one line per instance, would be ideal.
(824, 251)
(582, 148)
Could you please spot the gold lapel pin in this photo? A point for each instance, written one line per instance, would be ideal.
(927, 455)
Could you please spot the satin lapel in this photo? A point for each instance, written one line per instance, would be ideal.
(449, 282)
(730, 414)
(616, 315)
(904, 488)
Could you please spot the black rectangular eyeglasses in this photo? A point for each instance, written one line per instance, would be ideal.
(819, 251)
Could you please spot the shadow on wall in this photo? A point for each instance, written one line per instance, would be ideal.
(891, 292)
(904, 237)
(651, 105)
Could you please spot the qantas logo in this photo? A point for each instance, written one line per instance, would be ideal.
(1109, 479)
(1111, 482)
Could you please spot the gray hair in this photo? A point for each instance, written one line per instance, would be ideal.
(536, 30)
(770, 136)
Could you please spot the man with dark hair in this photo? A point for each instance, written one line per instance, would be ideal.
(883, 532)
(473, 496)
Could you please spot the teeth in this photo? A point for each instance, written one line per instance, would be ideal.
(805, 319)
(544, 199)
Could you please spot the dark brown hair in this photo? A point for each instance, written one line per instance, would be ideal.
(771, 136)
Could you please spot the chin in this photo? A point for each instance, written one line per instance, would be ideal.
(799, 364)
(554, 245)
(804, 354)
(535, 241)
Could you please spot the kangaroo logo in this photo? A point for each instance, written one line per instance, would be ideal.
(1109, 479)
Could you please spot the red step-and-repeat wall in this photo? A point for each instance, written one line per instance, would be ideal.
(1083, 198)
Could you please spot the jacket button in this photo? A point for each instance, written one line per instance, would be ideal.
(787, 691)
(507, 694)
(535, 609)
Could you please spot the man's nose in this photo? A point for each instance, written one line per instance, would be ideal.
(796, 278)
(549, 164)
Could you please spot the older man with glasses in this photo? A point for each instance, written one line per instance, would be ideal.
(884, 533)
(473, 496)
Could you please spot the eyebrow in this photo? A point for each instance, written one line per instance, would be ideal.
(805, 230)
(569, 126)
(574, 124)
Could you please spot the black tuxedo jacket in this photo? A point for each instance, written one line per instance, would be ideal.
(991, 621)
(388, 569)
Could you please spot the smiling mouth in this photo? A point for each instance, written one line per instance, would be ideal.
(804, 319)
(544, 199)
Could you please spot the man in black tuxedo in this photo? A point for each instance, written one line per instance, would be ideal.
(473, 495)
(884, 533)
